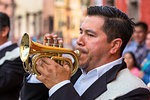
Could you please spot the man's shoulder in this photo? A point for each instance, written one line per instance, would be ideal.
(127, 79)
(10, 47)
(10, 53)
(131, 47)
(136, 94)
(132, 43)
(124, 83)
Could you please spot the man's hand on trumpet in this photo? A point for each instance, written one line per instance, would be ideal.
(51, 73)
(52, 40)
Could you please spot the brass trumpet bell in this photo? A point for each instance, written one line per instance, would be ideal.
(31, 51)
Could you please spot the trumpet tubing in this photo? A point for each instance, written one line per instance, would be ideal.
(31, 51)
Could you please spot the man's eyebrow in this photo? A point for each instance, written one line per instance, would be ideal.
(88, 31)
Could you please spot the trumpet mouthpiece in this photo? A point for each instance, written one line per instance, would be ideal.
(77, 52)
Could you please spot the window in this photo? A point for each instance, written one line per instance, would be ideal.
(110, 3)
(133, 9)
(51, 22)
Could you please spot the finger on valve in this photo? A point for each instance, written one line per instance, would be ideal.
(49, 39)
(60, 42)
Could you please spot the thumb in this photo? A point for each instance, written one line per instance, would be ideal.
(67, 68)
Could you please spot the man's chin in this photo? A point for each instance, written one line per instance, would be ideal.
(83, 65)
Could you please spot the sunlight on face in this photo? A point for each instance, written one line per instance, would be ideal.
(92, 43)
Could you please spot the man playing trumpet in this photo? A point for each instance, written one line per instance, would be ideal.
(103, 74)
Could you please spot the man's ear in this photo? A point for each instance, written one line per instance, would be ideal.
(116, 45)
(5, 31)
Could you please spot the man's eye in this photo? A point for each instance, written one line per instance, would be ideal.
(90, 35)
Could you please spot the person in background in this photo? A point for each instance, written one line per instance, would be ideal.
(11, 69)
(130, 60)
(145, 66)
(102, 73)
(137, 44)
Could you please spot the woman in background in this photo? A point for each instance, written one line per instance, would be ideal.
(131, 63)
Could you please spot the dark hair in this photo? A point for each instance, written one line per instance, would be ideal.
(116, 24)
(143, 25)
(133, 56)
(4, 21)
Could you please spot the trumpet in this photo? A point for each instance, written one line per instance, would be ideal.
(31, 51)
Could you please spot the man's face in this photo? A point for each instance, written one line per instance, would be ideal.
(92, 43)
(139, 34)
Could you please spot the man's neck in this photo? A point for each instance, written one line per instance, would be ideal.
(139, 43)
(102, 62)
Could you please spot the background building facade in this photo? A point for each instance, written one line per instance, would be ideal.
(62, 17)
(28, 17)
(137, 9)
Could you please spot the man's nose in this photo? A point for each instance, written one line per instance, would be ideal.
(80, 40)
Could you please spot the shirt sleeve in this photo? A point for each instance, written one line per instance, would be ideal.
(57, 86)
(32, 79)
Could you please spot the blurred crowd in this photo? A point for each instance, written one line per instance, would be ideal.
(137, 52)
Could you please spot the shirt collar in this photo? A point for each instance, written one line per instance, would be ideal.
(99, 71)
(6, 44)
(141, 44)
(104, 68)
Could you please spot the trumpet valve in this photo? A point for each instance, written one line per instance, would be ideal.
(55, 41)
(48, 41)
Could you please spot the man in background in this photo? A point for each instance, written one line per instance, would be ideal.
(137, 45)
(11, 69)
